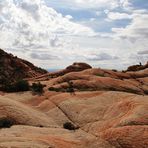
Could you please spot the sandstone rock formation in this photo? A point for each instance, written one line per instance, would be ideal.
(78, 67)
(108, 108)
(75, 67)
(105, 120)
(13, 68)
(100, 79)
(137, 67)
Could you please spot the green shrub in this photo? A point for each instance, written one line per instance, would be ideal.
(38, 87)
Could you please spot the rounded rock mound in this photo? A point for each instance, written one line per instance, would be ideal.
(78, 66)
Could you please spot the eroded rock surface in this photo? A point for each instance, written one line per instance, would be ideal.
(13, 68)
(105, 120)
(105, 109)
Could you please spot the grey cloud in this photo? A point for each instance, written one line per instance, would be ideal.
(2, 4)
(41, 56)
(139, 57)
(28, 46)
(144, 52)
(142, 32)
(137, 29)
(55, 42)
(102, 57)
(32, 9)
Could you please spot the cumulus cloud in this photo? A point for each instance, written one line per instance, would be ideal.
(32, 26)
(69, 17)
(35, 30)
(25, 23)
(138, 28)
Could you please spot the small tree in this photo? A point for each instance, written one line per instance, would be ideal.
(70, 88)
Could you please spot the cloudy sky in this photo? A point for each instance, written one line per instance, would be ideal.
(56, 33)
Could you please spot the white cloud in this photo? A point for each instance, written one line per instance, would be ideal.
(69, 17)
(137, 29)
(24, 23)
(87, 4)
(38, 33)
(125, 3)
(118, 16)
(31, 26)
(97, 3)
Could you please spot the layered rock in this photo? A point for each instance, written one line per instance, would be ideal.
(105, 120)
(13, 68)
(107, 109)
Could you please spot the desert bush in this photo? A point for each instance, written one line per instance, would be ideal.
(38, 87)
(100, 75)
(69, 126)
(6, 123)
(54, 89)
(22, 85)
(19, 86)
(114, 70)
(70, 87)
(70, 90)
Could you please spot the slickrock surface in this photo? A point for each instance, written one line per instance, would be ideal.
(106, 119)
(75, 67)
(105, 109)
(99, 79)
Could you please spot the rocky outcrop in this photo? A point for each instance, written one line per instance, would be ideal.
(75, 67)
(137, 67)
(99, 79)
(78, 67)
(13, 68)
